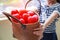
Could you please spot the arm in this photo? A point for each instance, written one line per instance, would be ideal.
(53, 16)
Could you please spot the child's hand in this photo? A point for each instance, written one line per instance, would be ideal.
(39, 31)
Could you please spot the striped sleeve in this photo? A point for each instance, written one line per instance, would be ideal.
(57, 10)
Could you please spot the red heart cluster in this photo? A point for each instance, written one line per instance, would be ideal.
(25, 16)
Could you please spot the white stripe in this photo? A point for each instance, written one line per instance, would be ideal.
(55, 11)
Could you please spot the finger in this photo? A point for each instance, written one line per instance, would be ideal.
(38, 28)
(38, 33)
(41, 26)
(41, 37)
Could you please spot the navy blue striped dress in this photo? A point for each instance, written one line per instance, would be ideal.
(46, 12)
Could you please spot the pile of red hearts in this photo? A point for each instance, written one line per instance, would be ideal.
(25, 16)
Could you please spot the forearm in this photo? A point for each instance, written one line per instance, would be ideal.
(50, 19)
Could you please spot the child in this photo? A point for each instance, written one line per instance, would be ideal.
(48, 17)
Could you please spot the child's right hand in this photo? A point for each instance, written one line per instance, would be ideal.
(39, 31)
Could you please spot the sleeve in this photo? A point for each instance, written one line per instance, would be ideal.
(57, 10)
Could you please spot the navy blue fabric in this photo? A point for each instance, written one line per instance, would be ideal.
(49, 36)
(46, 12)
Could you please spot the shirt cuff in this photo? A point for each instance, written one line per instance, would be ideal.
(56, 12)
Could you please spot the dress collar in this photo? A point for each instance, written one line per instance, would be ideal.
(54, 5)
